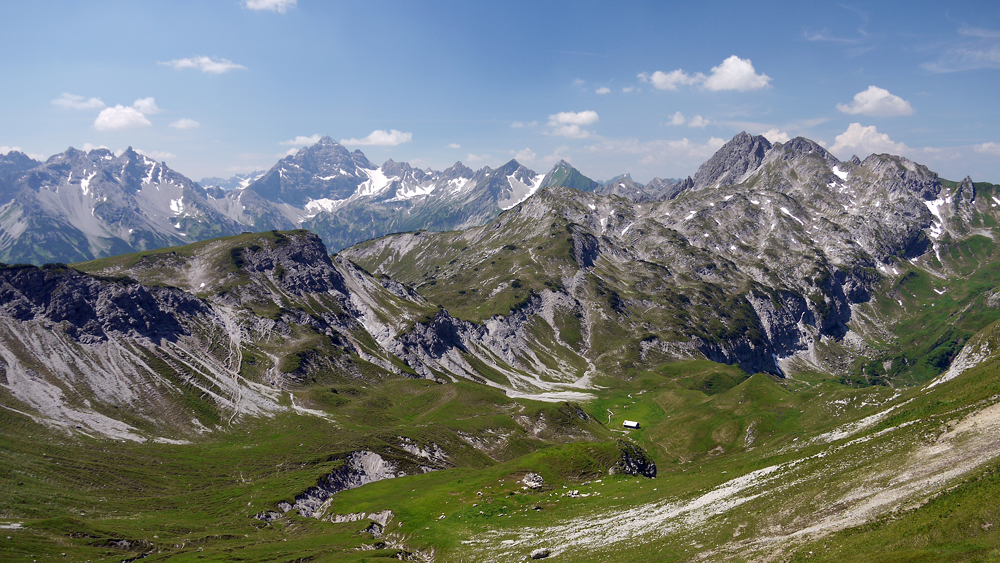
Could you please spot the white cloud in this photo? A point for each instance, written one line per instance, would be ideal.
(776, 136)
(302, 141)
(628, 89)
(864, 141)
(185, 123)
(146, 106)
(877, 102)
(477, 157)
(205, 64)
(677, 119)
(588, 117)
(522, 124)
(698, 121)
(579, 82)
(157, 155)
(120, 117)
(988, 148)
(569, 123)
(274, 5)
(526, 155)
(73, 101)
(671, 80)
(736, 74)
(603, 90)
(87, 147)
(733, 74)
(454, 146)
(289, 152)
(381, 138)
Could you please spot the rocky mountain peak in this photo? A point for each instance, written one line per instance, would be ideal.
(457, 170)
(742, 153)
(510, 167)
(14, 163)
(901, 175)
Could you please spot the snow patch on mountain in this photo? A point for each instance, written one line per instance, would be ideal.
(376, 183)
(520, 190)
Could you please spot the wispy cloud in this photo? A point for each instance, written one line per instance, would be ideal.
(381, 138)
(876, 102)
(454, 146)
(975, 48)
(205, 64)
(979, 32)
(279, 6)
(603, 90)
(988, 148)
(523, 124)
(302, 141)
(826, 36)
(73, 101)
(185, 123)
(525, 155)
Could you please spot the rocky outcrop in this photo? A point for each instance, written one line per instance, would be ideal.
(633, 461)
(360, 468)
(92, 309)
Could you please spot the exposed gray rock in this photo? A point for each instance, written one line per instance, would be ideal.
(633, 461)
(359, 468)
(741, 154)
(533, 481)
(540, 553)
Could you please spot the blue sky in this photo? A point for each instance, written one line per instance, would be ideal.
(216, 87)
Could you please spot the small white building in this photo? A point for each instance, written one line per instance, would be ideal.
(631, 424)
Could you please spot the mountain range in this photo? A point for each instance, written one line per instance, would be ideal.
(79, 206)
(809, 348)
